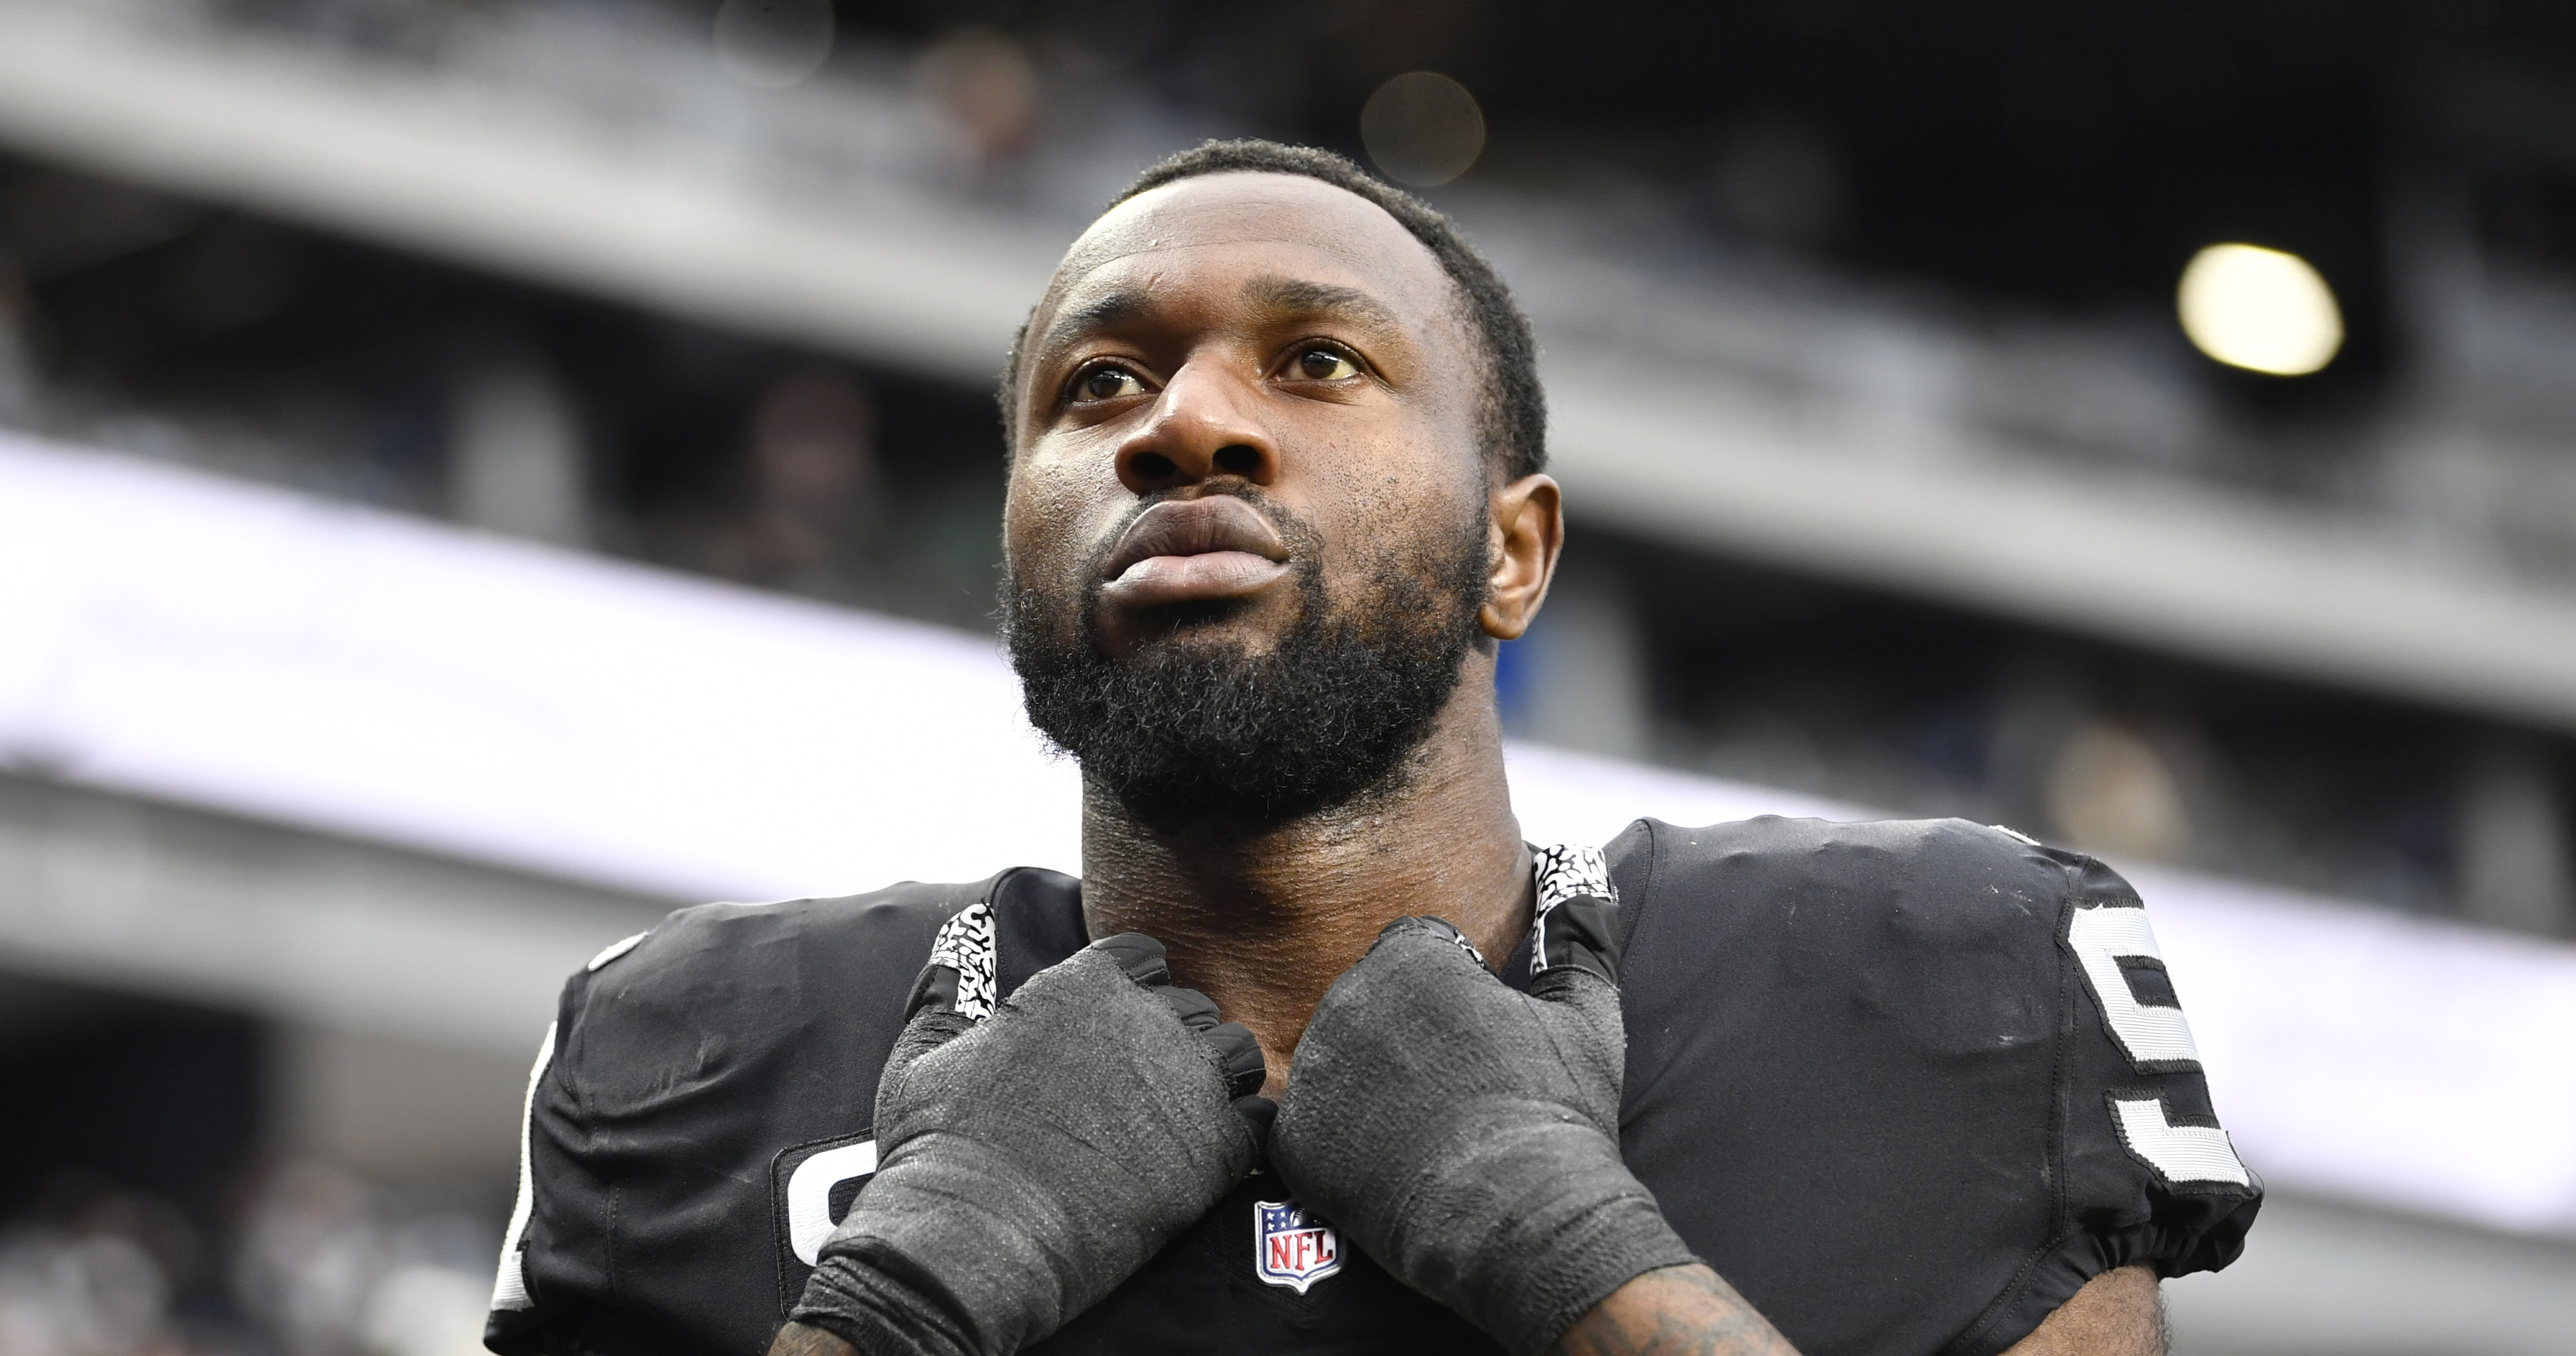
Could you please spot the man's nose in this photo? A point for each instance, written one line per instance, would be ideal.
(1204, 425)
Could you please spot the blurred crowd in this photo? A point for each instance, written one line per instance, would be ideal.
(310, 1261)
(1737, 242)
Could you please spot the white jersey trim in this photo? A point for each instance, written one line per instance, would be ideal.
(510, 1286)
(614, 950)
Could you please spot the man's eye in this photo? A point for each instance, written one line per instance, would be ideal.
(1107, 383)
(1323, 364)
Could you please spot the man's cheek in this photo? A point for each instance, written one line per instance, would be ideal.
(1046, 577)
(1045, 604)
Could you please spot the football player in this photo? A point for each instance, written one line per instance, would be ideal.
(1276, 493)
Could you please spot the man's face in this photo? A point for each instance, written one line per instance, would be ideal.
(1247, 530)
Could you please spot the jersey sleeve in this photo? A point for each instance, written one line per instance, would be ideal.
(1908, 1085)
(2147, 1174)
(513, 1314)
(699, 1115)
(557, 1257)
(683, 1069)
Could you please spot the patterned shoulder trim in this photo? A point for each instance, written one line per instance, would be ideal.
(965, 944)
(1567, 872)
(1577, 904)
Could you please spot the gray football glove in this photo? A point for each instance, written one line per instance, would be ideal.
(1035, 1159)
(1466, 1136)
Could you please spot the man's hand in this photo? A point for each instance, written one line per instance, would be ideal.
(1033, 1160)
(1466, 1136)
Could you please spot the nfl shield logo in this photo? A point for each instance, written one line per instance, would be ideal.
(1290, 1249)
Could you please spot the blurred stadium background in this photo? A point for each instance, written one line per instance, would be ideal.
(474, 475)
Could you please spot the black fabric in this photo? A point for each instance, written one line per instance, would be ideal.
(2148, 981)
(1866, 1081)
(1466, 1136)
(681, 1070)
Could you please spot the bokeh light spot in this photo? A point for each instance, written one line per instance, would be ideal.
(1422, 128)
(771, 44)
(2260, 309)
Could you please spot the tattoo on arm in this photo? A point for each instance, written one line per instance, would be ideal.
(1678, 1311)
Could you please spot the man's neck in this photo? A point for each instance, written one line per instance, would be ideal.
(1263, 922)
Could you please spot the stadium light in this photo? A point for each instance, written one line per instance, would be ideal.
(2260, 309)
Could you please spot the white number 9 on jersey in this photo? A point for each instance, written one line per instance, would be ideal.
(2151, 1031)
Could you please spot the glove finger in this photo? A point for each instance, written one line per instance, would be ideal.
(1143, 960)
(1439, 928)
(1238, 1054)
(1259, 1114)
(1196, 1010)
(1140, 956)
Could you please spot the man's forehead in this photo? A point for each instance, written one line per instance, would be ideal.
(1282, 223)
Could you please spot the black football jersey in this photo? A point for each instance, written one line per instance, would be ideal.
(1906, 1085)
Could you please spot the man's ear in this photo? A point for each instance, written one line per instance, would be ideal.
(1527, 531)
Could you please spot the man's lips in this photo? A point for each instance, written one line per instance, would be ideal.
(1193, 550)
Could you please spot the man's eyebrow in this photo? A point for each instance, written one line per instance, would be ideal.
(1100, 312)
(1298, 296)
(1277, 295)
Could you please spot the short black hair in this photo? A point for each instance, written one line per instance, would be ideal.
(1516, 414)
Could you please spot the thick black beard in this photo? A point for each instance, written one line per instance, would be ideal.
(1194, 735)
